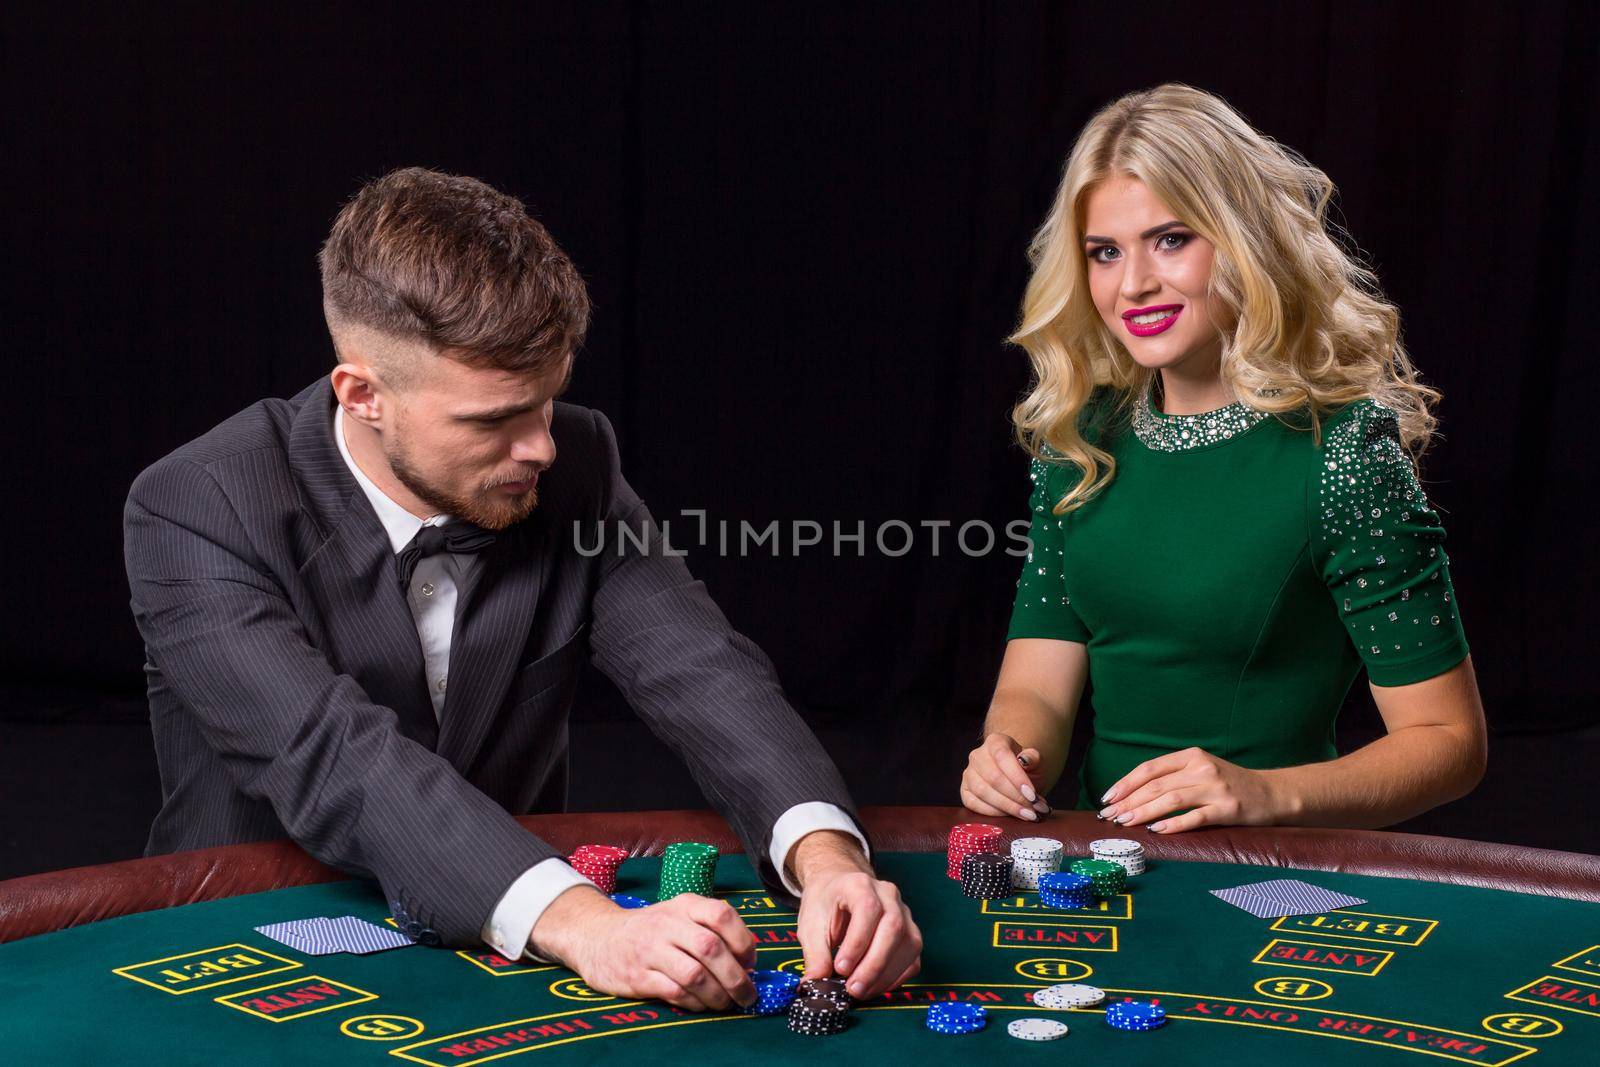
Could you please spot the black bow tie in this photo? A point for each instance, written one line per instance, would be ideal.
(452, 537)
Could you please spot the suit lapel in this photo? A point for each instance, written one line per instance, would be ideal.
(369, 627)
(494, 615)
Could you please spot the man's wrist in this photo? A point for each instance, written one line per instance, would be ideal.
(568, 921)
(823, 850)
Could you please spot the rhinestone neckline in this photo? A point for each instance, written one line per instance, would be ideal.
(1182, 433)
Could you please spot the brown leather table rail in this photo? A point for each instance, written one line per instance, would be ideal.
(40, 903)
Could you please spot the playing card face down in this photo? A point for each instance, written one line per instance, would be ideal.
(359, 936)
(320, 936)
(311, 936)
(1278, 897)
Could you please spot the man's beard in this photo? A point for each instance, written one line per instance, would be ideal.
(490, 511)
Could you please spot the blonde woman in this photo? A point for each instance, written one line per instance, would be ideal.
(1227, 523)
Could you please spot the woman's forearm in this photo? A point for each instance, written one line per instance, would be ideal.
(1395, 777)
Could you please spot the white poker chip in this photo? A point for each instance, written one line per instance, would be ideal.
(1115, 846)
(1069, 995)
(1037, 846)
(1033, 857)
(1036, 1029)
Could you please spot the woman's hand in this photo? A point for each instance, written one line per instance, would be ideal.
(1000, 779)
(1214, 792)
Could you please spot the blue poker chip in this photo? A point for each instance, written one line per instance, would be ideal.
(956, 1018)
(1134, 1015)
(1065, 882)
(958, 1009)
(1065, 901)
(624, 900)
(775, 991)
(773, 1005)
(763, 978)
(940, 1024)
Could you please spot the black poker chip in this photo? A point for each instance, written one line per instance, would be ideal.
(827, 989)
(986, 875)
(817, 1016)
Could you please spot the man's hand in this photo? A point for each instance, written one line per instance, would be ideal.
(1000, 780)
(690, 951)
(1215, 792)
(844, 904)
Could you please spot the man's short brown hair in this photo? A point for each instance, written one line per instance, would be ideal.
(451, 262)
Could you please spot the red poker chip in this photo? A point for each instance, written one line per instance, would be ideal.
(599, 864)
(603, 853)
(977, 831)
(967, 839)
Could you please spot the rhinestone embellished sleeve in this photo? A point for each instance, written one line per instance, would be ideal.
(1043, 607)
(1379, 546)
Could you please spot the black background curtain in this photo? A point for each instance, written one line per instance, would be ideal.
(804, 232)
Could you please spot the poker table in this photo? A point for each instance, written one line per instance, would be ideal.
(1463, 951)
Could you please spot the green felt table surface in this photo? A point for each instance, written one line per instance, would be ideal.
(1421, 970)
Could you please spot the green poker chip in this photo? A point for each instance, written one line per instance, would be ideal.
(688, 867)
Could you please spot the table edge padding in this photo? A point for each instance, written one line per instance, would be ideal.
(54, 900)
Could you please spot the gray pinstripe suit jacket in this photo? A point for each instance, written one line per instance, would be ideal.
(285, 676)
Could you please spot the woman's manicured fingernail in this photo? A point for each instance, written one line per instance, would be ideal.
(1158, 826)
(1042, 807)
(1124, 817)
(1029, 794)
(1107, 798)
(1106, 813)
(1028, 813)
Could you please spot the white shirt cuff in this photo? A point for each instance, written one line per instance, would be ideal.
(512, 922)
(801, 820)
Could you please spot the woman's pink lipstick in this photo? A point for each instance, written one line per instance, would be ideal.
(1155, 327)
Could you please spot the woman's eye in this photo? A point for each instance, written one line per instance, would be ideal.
(1180, 240)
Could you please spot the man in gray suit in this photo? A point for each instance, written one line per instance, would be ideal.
(364, 609)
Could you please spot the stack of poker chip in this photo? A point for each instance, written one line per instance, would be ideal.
(775, 991)
(1031, 857)
(946, 1018)
(623, 900)
(1068, 995)
(1065, 890)
(985, 876)
(965, 839)
(687, 867)
(1037, 1029)
(817, 1016)
(599, 864)
(1108, 878)
(1134, 1015)
(827, 989)
(1129, 855)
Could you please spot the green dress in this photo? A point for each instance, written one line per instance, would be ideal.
(1233, 578)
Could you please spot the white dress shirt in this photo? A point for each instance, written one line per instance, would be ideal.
(432, 600)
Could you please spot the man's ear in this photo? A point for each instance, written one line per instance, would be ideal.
(355, 387)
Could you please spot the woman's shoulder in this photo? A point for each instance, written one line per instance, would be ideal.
(1362, 467)
(1359, 430)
